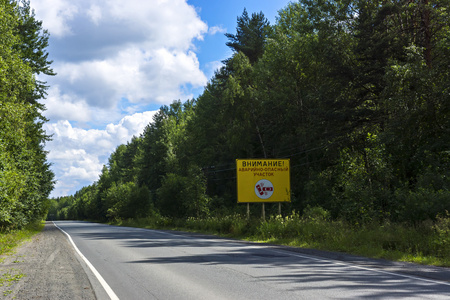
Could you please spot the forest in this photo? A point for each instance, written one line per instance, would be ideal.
(355, 93)
(25, 176)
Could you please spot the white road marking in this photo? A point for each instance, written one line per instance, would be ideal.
(316, 258)
(336, 262)
(102, 281)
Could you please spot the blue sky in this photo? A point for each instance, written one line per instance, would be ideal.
(224, 14)
(117, 62)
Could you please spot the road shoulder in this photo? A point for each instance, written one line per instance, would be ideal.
(49, 269)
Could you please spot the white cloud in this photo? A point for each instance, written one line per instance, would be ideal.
(63, 107)
(140, 76)
(56, 14)
(108, 50)
(216, 29)
(171, 24)
(78, 155)
(95, 13)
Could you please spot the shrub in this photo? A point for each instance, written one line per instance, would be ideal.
(441, 242)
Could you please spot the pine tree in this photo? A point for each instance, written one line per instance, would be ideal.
(251, 35)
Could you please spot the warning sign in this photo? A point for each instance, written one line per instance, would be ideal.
(263, 180)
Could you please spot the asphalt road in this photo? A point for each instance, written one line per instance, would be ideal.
(149, 264)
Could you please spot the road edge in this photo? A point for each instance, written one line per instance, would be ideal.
(101, 288)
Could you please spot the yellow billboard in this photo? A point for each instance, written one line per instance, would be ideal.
(263, 180)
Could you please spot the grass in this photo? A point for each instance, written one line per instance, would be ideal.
(11, 239)
(426, 243)
(8, 243)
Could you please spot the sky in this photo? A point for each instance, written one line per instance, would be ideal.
(118, 62)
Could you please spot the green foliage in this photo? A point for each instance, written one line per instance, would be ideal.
(12, 238)
(8, 242)
(419, 244)
(441, 241)
(181, 196)
(361, 192)
(420, 205)
(235, 225)
(127, 200)
(251, 35)
(25, 177)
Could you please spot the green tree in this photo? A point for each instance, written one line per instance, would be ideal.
(251, 35)
(151, 157)
(33, 43)
(26, 179)
(183, 196)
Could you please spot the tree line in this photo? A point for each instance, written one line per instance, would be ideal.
(25, 176)
(355, 93)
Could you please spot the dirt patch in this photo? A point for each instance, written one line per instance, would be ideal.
(46, 267)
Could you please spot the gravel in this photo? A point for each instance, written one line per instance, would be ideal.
(46, 267)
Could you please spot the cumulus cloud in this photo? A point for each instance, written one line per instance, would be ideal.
(108, 50)
(113, 57)
(216, 29)
(56, 15)
(62, 106)
(95, 13)
(140, 76)
(78, 155)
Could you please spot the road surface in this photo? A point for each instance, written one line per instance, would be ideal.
(149, 264)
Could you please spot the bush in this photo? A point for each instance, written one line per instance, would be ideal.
(316, 214)
(441, 241)
(181, 196)
(126, 200)
(415, 207)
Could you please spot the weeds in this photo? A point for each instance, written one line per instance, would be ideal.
(11, 239)
(8, 242)
(441, 239)
(8, 278)
(425, 243)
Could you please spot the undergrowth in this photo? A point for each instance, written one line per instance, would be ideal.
(425, 243)
(11, 239)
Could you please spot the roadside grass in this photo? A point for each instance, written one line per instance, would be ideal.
(8, 242)
(11, 239)
(426, 243)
